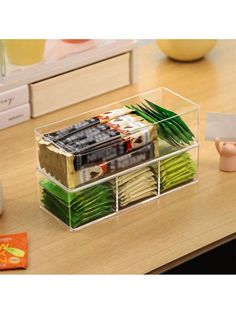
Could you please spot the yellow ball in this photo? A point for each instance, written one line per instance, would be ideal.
(186, 49)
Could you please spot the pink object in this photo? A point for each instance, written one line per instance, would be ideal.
(75, 41)
(57, 49)
(227, 153)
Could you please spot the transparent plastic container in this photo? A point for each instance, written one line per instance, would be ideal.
(141, 160)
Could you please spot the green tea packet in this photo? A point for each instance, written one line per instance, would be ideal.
(170, 127)
(176, 170)
(80, 207)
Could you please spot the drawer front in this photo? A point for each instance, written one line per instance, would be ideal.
(78, 85)
(14, 116)
(14, 97)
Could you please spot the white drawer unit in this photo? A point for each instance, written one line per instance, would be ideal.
(67, 77)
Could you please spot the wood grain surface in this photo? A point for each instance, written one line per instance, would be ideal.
(149, 236)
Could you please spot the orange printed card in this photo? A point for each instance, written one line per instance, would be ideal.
(13, 251)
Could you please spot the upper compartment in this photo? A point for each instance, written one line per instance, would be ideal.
(116, 137)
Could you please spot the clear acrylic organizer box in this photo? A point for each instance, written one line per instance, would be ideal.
(160, 161)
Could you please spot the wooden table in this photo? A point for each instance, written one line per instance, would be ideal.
(157, 235)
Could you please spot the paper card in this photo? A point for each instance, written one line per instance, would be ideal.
(220, 125)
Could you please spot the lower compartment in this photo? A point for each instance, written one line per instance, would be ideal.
(93, 202)
(76, 209)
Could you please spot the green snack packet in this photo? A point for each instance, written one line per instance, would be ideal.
(171, 127)
(176, 170)
(78, 208)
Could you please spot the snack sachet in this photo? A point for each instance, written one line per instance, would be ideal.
(13, 251)
(177, 170)
(136, 185)
(77, 209)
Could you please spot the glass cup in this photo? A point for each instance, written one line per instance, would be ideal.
(25, 51)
